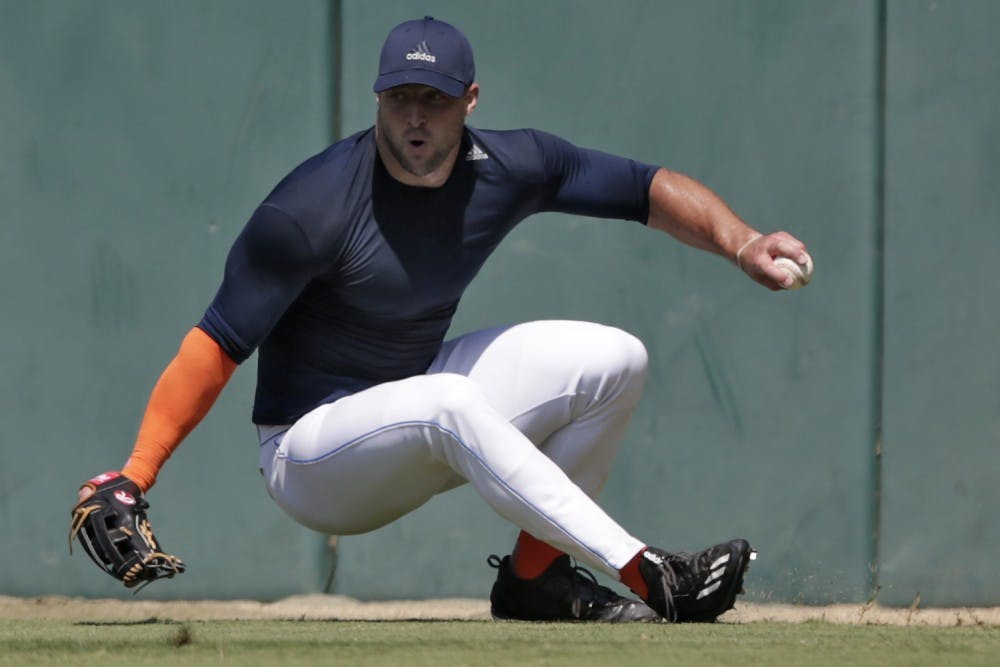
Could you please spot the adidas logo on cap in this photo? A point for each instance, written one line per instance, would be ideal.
(421, 52)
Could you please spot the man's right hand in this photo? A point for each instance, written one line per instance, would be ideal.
(756, 258)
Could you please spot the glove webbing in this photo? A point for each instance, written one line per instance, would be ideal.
(166, 563)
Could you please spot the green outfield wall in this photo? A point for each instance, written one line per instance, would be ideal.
(849, 430)
(136, 138)
(941, 472)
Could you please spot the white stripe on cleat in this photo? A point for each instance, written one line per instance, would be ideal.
(721, 560)
(708, 591)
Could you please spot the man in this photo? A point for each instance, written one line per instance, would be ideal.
(346, 278)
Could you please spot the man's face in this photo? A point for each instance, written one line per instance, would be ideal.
(421, 127)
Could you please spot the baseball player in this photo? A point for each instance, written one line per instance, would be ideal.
(345, 280)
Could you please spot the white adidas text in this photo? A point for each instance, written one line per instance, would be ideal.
(421, 56)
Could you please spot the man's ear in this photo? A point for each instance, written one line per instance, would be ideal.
(471, 99)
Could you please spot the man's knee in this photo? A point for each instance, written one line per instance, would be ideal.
(630, 353)
(612, 352)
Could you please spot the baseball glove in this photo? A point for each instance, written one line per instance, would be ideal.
(114, 531)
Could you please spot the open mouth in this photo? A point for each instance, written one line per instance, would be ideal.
(417, 143)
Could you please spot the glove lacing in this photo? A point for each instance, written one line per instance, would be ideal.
(80, 515)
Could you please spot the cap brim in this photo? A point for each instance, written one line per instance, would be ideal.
(445, 84)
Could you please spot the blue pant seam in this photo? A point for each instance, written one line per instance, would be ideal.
(457, 439)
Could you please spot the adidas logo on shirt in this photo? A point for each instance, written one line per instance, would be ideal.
(476, 153)
(421, 53)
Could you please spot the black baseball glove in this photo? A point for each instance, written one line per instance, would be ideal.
(114, 531)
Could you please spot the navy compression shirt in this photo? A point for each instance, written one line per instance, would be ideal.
(345, 278)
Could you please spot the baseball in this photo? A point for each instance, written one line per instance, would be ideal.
(801, 273)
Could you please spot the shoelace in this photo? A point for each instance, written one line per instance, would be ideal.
(668, 581)
(585, 574)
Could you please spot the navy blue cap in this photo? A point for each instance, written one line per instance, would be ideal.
(429, 52)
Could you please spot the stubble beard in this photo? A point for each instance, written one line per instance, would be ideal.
(419, 168)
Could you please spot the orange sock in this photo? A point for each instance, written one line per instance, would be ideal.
(632, 578)
(531, 556)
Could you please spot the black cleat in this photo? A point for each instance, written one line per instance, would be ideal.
(563, 592)
(686, 588)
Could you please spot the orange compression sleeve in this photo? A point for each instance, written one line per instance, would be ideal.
(182, 397)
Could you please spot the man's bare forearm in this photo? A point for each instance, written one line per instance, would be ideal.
(693, 214)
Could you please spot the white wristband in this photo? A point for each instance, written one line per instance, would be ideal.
(744, 247)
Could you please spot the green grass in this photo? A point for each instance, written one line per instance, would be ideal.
(446, 644)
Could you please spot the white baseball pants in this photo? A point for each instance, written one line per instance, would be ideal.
(531, 415)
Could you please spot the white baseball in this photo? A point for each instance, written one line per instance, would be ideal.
(801, 273)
